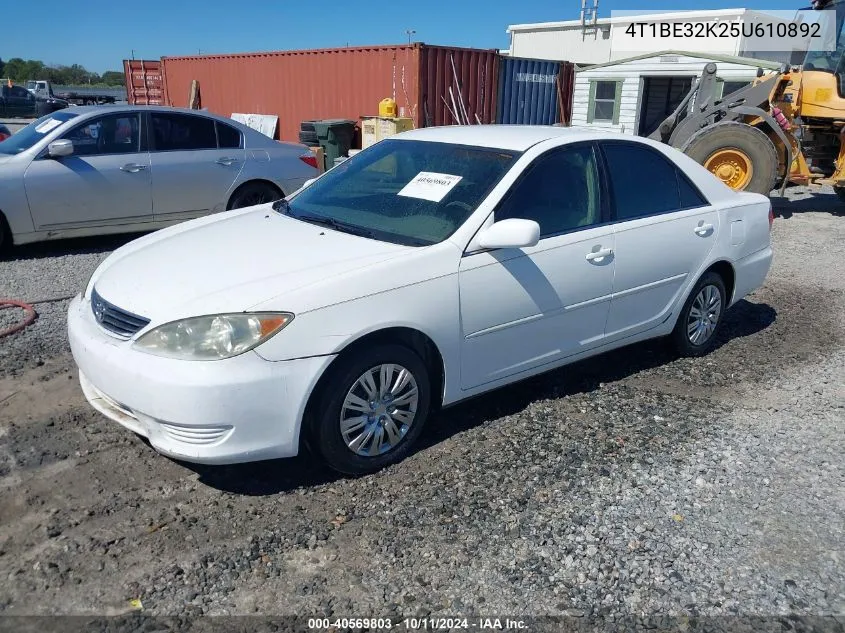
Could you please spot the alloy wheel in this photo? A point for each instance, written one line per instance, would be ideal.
(704, 315)
(379, 410)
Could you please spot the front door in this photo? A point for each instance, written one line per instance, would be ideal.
(524, 308)
(663, 232)
(105, 181)
(192, 172)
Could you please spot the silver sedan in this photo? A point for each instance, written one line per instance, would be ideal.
(97, 170)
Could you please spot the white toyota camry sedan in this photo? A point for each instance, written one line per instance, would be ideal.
(431, 267)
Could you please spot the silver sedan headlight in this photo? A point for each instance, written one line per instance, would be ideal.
(212, 337)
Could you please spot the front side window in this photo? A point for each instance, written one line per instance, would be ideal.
(603, 104)
(644, 182)
(407, 192)
(175, 132)
(112, 134)
(20, 93)
(560, 191)
(34, 132)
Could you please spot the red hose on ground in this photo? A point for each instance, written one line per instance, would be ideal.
(28, 318)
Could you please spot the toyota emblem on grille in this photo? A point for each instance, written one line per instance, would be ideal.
(99, 311)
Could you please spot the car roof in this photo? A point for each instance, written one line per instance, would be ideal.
(136, 108)
(512, 137)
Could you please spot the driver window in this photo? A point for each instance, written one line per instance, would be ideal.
(560, 191)
(113, 134)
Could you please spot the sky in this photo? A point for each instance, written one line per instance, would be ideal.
(99, 34)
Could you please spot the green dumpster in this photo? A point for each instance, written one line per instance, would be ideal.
(335, 136)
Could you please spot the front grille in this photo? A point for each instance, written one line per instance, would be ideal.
(113, 318)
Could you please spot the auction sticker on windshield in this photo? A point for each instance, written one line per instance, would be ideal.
(430, 185)
(48, 125)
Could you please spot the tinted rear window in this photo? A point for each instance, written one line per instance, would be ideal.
(227, 136)
(172, 132)
(643, 181)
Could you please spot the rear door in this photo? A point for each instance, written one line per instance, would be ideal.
(664, 230)
(195, 163)
(105, 181)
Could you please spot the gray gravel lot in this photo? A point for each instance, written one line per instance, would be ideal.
(633, 483)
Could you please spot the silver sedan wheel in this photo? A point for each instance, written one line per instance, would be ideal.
(379, 410)
(704, 315)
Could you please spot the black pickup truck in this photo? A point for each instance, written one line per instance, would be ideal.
(17, 101)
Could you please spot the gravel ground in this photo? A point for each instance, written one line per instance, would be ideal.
(634, 483)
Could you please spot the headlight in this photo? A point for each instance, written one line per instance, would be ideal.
(212, 337)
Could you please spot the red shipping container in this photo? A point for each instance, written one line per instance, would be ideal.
(144, 83)
(340, 83)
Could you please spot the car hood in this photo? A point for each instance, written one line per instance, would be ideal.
(231, 264)
(5, 158)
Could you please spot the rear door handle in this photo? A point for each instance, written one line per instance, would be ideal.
(133, 168)
(226, 161)
(599, 254)
(703, 229)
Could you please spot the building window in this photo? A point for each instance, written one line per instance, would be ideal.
(604, 101)
(732, 86)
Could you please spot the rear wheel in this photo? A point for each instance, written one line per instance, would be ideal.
(253, 193)
(701, 317)
(370, 409)
(742, 157)
(5, 237)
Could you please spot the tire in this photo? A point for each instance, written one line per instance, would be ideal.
(749, 144)
(5, 237)
(682, 339)
(253, 193)
(840, 192)
(325, 435)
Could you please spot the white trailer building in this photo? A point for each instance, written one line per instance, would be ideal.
(634, 95)
(605, 39)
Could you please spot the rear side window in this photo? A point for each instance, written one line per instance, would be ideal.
(644, 182)
(690, 196)
(172, 132)
(227, 136)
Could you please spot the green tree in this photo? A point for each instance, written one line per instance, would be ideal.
(15, 69)
(113, 78)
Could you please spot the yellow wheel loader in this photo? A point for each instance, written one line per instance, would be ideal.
(785, 128)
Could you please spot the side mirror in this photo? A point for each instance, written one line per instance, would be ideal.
(511, 233)
(62, 147)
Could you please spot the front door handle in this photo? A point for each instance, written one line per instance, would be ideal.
(703, 229)
(133, 168)
(226, 161)
(599, 254)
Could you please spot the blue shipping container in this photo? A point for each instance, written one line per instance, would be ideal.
(528, 91)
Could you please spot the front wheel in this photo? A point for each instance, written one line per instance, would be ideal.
(700, 320)
(371, 409)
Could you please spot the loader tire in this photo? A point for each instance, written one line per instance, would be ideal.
(840, 192)
(741, 156)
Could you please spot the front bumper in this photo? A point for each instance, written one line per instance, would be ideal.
(214, 412)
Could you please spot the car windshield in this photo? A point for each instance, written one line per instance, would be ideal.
(407, 192)
(34, 132)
